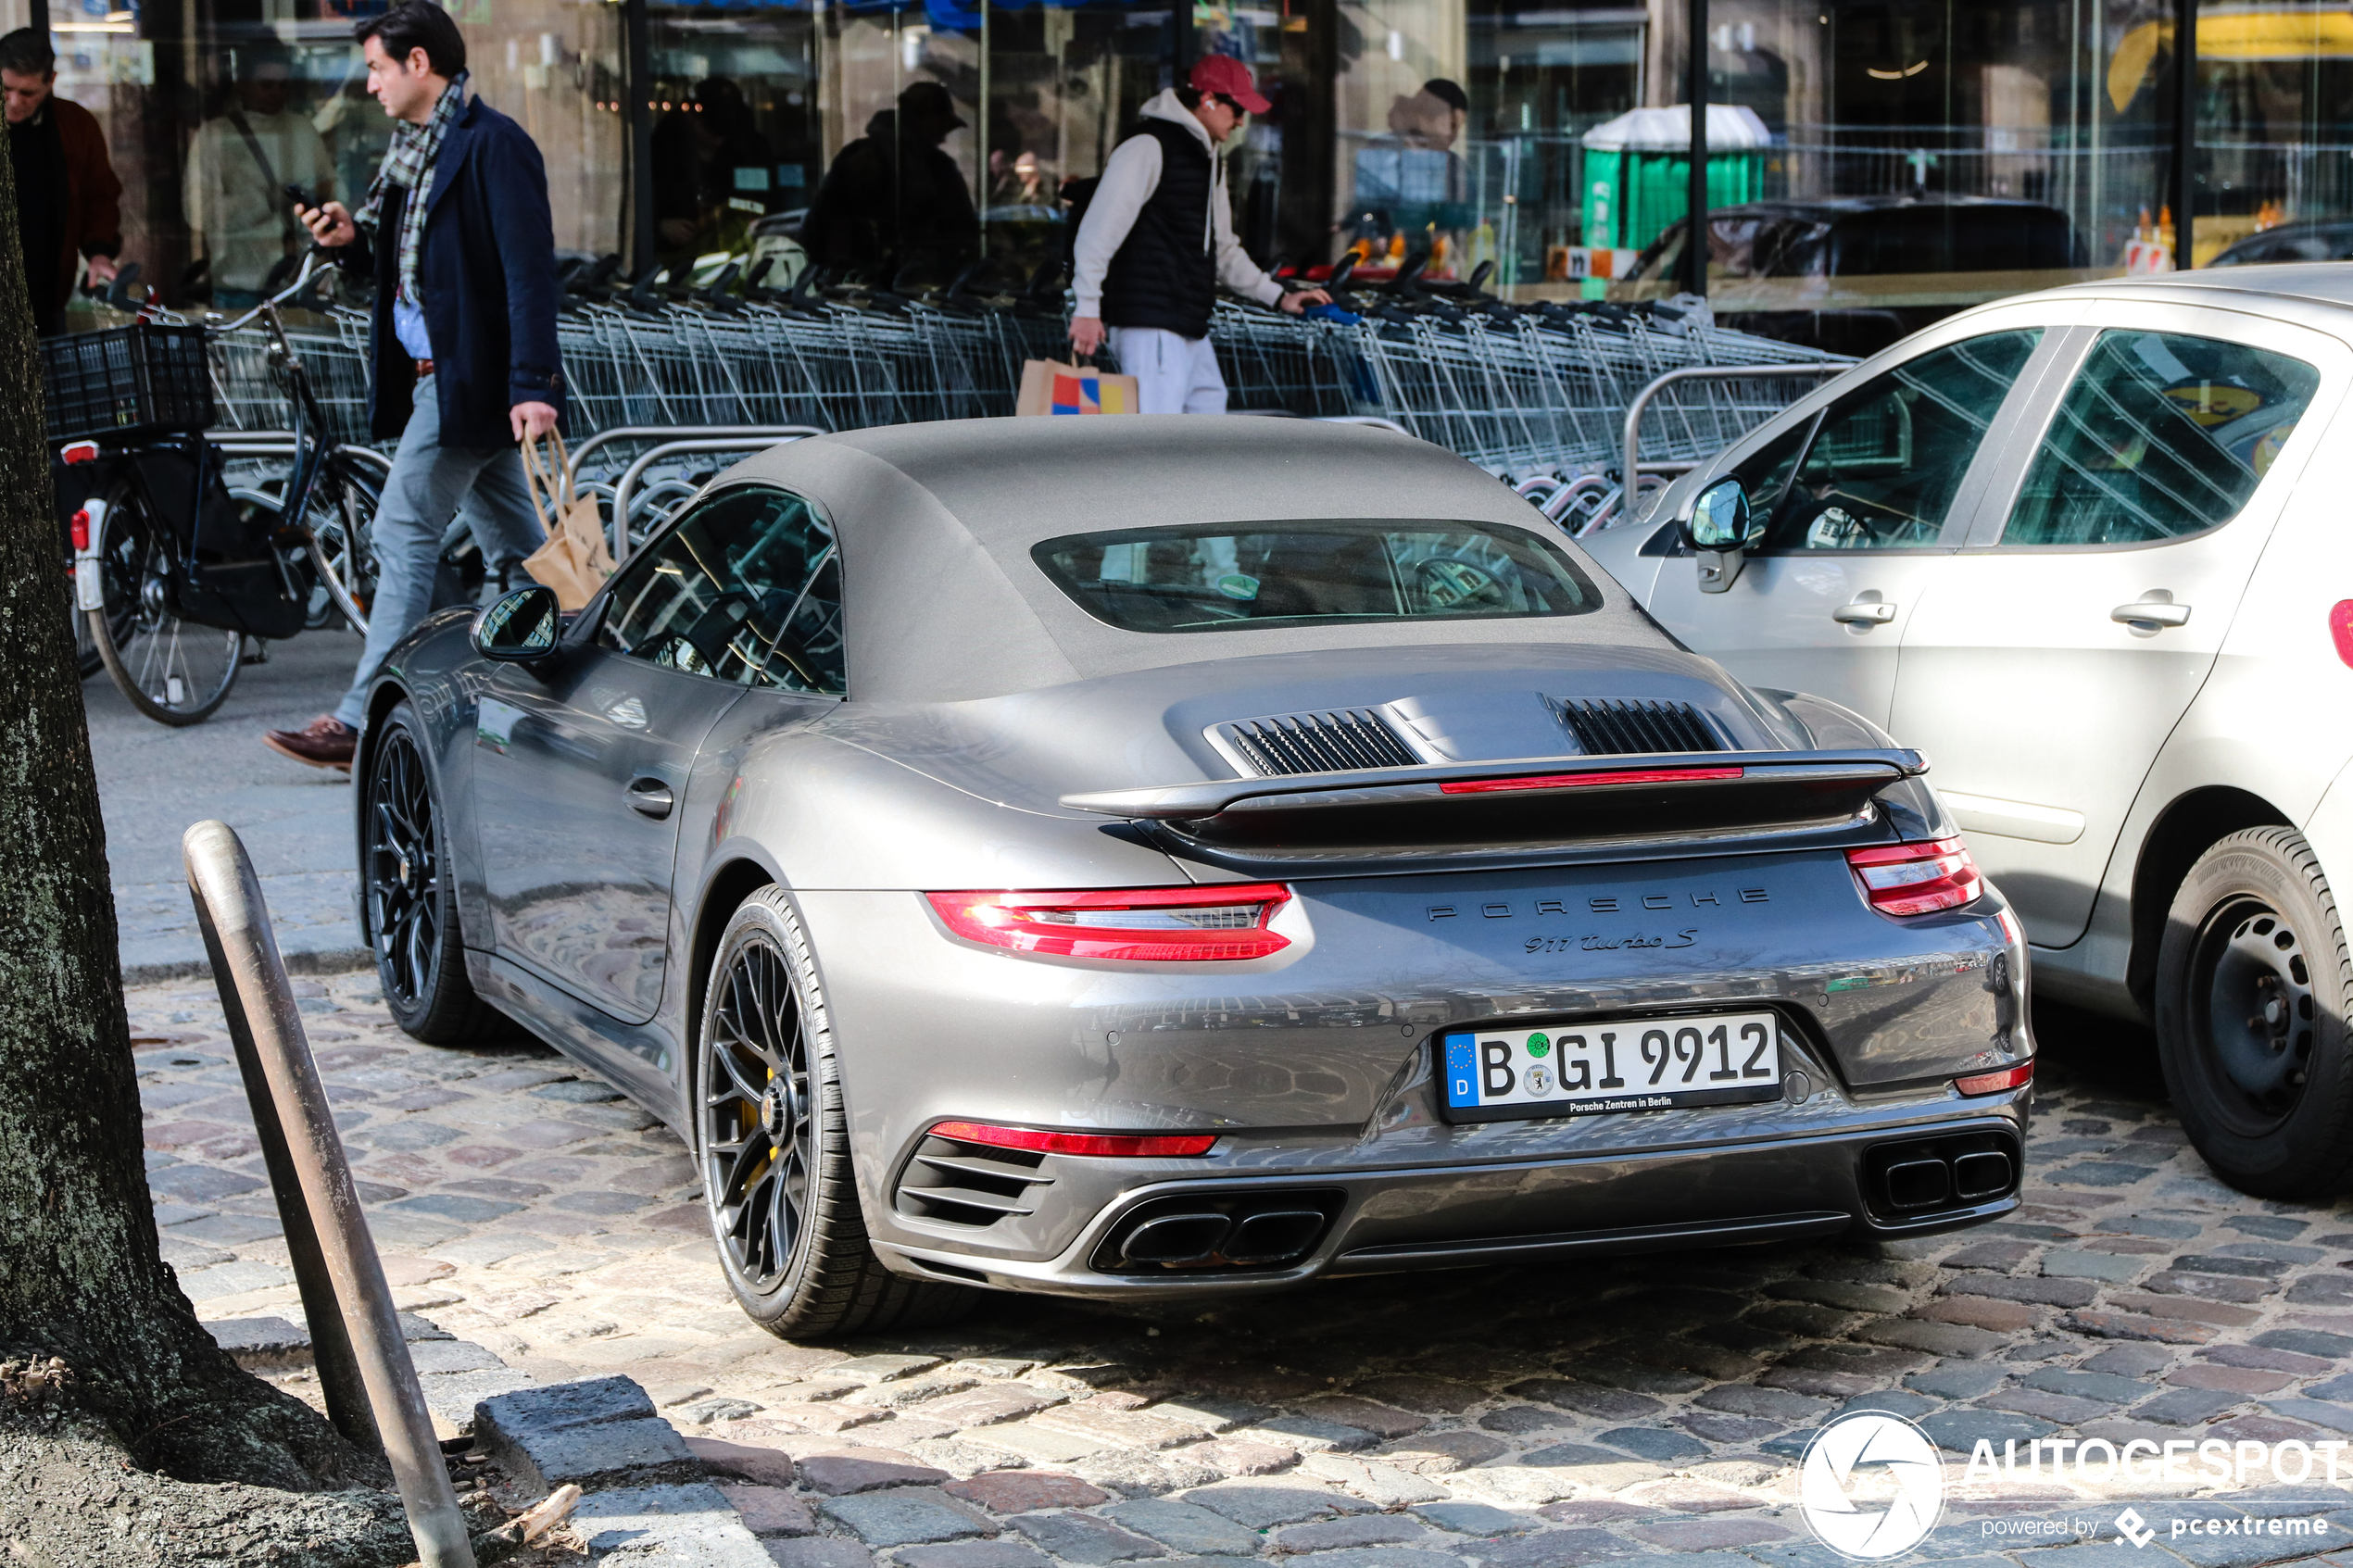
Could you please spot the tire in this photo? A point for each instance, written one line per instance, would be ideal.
(172, 671)
(773, 1145)
(412, 895)
(340, 513)
(2254, 984)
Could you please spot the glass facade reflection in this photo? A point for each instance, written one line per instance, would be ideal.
(1872, 163)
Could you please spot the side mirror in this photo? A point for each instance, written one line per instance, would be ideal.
(1719, 530)
(519, 627)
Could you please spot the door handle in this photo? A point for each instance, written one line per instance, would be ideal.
(1864, 612)
(649, 797)
(2151, 614)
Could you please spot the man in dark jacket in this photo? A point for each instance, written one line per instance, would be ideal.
(463, 346)
(68, 202)
(894, 198)
(1158, 238)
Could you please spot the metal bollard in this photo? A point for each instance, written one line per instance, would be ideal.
(349, 1295)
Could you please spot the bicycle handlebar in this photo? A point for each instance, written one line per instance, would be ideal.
(303, 275)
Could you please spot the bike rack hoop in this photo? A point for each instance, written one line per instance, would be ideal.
(1630, 443)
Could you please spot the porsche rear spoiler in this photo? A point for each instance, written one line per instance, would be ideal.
(1527, 802)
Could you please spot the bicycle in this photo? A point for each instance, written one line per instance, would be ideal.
(173, 569)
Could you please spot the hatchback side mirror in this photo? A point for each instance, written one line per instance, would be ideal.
(1719, 530)
(520, 627)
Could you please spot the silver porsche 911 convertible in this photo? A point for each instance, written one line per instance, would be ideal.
(1153, 856)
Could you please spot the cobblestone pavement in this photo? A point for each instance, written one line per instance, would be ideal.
(1646, 1408)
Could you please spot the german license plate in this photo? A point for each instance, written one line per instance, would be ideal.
(1622, 1064)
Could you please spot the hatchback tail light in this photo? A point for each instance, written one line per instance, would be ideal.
(1996, 1081)
(1915, 879)
(1129, 1145)
(1162, 924)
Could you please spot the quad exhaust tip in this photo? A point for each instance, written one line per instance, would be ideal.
(1196, 1232)
(1915, 1178)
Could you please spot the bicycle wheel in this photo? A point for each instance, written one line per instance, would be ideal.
(341, 508)
(172, 671)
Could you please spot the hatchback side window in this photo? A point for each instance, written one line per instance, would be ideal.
(1888, 458)
(2160, 435)
(747, 588)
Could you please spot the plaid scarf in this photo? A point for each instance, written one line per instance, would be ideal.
(407, 163)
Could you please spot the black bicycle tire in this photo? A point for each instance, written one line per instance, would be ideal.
(124, 500)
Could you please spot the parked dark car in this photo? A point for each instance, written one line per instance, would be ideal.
(2322, 239)
(1771, 263)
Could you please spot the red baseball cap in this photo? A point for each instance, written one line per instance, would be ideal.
(1228, 78)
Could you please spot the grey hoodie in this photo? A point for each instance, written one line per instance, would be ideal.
(1128, 181)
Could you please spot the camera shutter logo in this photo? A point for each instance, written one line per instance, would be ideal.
(1871, 1486)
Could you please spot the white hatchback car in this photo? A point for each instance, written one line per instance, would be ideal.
(2092, 550)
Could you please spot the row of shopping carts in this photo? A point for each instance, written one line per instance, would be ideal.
(1528, 393)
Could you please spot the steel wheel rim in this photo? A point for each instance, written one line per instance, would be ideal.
(759, 1123)
(2251, 1003)
(403, 870)
(175, 666)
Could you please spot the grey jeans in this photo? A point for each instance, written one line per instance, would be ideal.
(427, 485)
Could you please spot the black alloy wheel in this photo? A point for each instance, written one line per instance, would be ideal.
(412, 895)
(2254, 984)
(772, 1140)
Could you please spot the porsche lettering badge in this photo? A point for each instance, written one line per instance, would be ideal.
(1607, 904)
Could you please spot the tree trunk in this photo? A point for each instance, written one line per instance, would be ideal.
(112, 1398)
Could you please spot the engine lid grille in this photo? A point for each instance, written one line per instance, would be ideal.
(1605, 726)
(969, 1183)
(1328, 742)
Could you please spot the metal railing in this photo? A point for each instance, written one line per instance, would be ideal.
(1631, 467)
(748, 441)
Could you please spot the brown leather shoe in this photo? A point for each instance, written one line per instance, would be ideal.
(325, 742)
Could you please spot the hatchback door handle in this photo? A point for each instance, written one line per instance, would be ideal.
(1864, 612)
(2151, 613)
(649, 797)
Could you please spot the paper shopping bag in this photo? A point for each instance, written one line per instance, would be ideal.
(1051, 387)
(574, 562)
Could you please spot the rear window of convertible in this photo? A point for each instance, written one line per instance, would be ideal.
(1218, 577)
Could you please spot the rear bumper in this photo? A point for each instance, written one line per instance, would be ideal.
(1459, 1216)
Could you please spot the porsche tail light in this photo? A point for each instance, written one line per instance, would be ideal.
(1129, 1146)
(82, 531)
(1994, 1082)
(1163, 925)
(1588, 781)
(1915, 879)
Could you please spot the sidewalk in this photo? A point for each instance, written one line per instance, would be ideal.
(154, 781)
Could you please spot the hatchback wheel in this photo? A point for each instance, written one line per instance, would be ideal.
(775, 1146)
(412, 894)
(2254, 984)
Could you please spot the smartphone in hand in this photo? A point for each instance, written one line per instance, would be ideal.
(300, 197)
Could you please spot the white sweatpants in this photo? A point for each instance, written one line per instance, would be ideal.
(1174, 375)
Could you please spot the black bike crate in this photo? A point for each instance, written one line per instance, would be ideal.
(135, 380)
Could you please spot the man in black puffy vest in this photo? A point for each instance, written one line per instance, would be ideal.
(1158, 238)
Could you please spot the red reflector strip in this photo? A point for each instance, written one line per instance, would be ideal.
(1110, 1145)
(1590, 781)
(1994, 1082)
(79, 452)
(1915, 879)
(1219, 923)
(80, 528)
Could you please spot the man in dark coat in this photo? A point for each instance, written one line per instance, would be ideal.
(894, 198)
(463, 345)
(69, 201)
